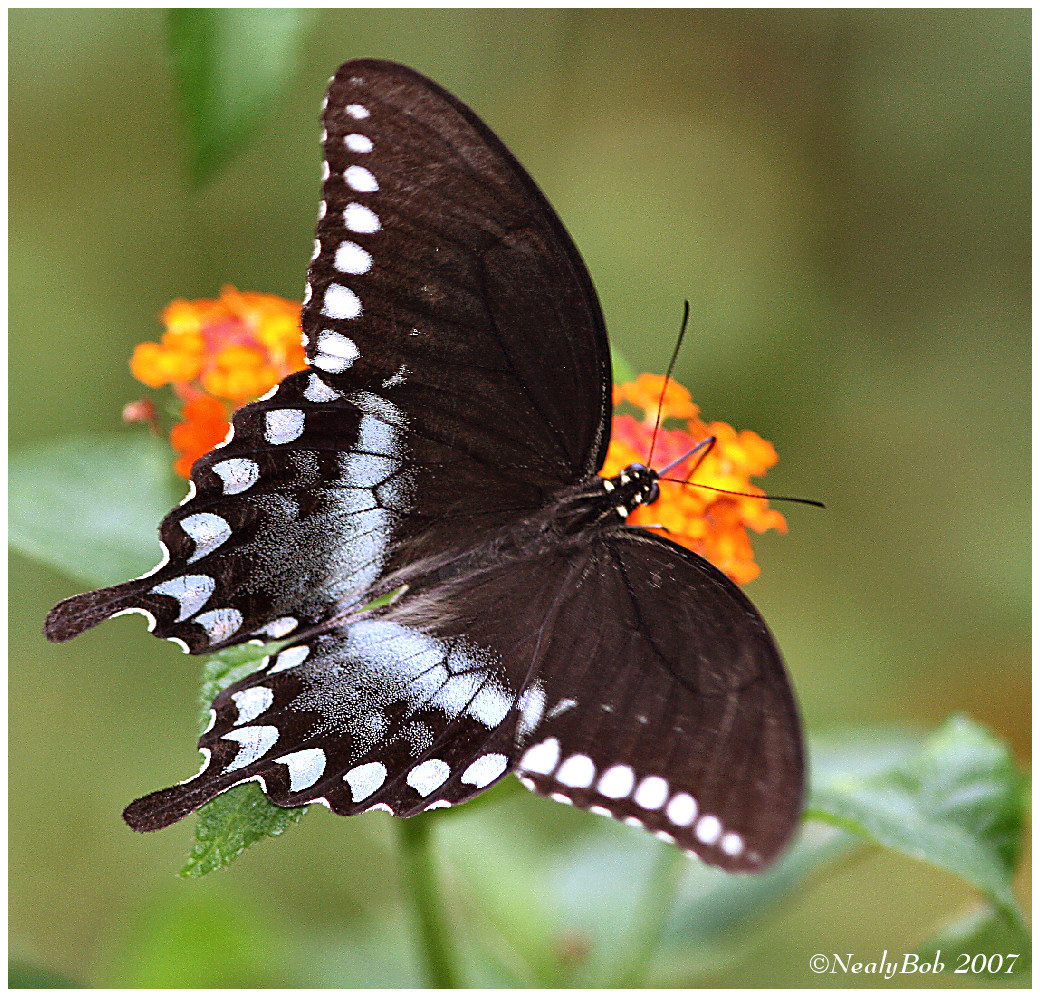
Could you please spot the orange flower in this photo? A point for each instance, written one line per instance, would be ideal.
(205, 425)
(218, 355)
(711, 524)
(645, 393)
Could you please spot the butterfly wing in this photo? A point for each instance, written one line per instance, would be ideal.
(626, 676)
(459, 376)
(667, 705)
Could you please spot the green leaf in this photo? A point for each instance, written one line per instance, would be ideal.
(232, 822)
(987, 933)
(227, 667)
(230, 65)
(958, 801)
(90, 506)
(242, 816)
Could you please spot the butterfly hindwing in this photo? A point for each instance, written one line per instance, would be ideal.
(671, 711)
(660, 713)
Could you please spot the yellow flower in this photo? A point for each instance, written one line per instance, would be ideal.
(711, 524)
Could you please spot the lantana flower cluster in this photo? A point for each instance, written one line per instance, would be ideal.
(709, 523)
(218, 355)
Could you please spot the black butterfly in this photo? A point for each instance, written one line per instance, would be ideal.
(445, 441)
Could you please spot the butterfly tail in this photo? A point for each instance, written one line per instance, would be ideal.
(73, 616)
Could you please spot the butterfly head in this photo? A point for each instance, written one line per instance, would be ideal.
(636, 485)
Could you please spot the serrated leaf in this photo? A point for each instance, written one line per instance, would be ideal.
(227, 667)
(228, 825)
(957, 802)
(230, 65)
(232, 822)
(90, 506)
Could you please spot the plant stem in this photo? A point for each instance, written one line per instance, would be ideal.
(420, 884)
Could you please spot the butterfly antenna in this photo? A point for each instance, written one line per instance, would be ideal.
(707, 445)
(727, 491)
(667, 378)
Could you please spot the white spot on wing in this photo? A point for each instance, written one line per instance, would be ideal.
(617, 782)
(254, 743)
(356, 142)
(208, 530)
(238, 474)
(250, 703)
(280, 627)
(360, 179)
(365, 780)
(220, 623)
(542, 758)
(290, 658)
(708, 829)
(682, 810)
(357, 111)
(340, 302)
(351, 258)
(191, 591)
(305, 767)
(360, 219)
(334, 352)
(485, 770)
(577, 772)
(490, 705)
(732, 844)
(652, 793)
(532, 706)
(318, 391)
(428, 776)
(561, 707)
(283, 425)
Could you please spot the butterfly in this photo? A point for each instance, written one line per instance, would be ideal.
(441, 449)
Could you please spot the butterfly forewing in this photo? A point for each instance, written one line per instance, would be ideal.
(442, 269)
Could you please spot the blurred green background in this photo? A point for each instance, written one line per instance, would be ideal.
(844, 197)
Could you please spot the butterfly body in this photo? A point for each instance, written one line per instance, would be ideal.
(444, 445)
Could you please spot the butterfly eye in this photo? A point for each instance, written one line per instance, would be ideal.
(653, 493)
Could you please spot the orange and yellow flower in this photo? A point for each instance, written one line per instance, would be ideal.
(218, 355)
(711, 524)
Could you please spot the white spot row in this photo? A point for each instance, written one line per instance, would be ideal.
(356, 142)
(360, 179)
(318, 391)
(617, 782)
